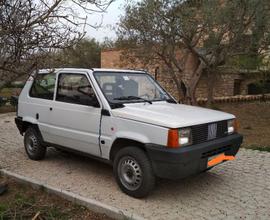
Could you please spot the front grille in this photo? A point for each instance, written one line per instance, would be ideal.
(200, 133)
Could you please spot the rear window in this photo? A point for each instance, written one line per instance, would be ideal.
(43, 86)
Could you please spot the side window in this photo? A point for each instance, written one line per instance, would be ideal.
(75, 89)
(43, 86)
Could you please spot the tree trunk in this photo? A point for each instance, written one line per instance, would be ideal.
(178, 86)
(176, 81)
(193, 83)
(210, 89)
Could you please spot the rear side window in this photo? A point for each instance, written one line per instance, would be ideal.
(75, 89)
(43, 86)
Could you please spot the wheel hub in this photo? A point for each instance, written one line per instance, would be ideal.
(31, 143)
(130, 173)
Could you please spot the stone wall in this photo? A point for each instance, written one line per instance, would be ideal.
(110, 59)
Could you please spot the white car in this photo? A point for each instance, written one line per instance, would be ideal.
(126, 118)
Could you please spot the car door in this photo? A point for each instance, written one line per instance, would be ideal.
(75, 114)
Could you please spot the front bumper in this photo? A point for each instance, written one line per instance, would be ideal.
(185, 161)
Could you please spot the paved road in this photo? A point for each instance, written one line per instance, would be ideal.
(237, 189)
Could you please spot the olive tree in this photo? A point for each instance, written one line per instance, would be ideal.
(203, 33)
(83, 54)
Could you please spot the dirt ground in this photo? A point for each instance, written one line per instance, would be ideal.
(6, 109)
(23, 202)
(254, 121)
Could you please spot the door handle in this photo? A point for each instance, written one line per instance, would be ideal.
(50, 108)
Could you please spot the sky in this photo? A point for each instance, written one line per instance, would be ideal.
(109, 20)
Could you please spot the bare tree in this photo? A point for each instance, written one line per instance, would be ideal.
(30, 30)
(191, 37)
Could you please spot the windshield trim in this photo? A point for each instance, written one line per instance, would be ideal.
(122, 102)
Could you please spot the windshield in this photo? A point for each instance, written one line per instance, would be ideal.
(129, 87)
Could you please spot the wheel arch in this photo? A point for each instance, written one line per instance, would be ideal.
(121, 143)
(23, 125)
(27, 124)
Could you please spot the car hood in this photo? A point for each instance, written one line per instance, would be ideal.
(170, 115)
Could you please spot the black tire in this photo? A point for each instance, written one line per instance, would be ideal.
(133, 172)
(33, 144)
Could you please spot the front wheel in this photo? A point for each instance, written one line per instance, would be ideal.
(133, 172)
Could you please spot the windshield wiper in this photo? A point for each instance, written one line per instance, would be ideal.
(116, 105)
(132, 98)
(170, 100)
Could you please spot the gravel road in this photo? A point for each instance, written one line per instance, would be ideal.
(238, 189)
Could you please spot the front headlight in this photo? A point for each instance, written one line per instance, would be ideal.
(185, 137)
(233, 126)
(179, 137)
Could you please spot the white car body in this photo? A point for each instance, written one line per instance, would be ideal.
(85, 129)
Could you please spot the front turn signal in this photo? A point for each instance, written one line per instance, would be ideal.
(236, 125)
(173, 138)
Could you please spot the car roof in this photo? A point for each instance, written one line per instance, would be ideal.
(45, 71)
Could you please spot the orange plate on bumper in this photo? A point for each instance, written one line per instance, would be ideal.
(218, 159)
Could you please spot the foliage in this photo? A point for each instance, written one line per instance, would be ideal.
(245, 61)
(6, 92)
(13, 85)
(259, 148)
(84, 54)
(204, 33)
(259, 87)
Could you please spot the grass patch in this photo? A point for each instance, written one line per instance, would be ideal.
(24, 202)
(3, 209)
(26, 207)
(215, 107)
(254, 121)
(260, 148)
(6, 92)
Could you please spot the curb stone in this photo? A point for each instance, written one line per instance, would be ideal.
(92, 204)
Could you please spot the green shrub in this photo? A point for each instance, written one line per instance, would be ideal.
(260, 148)
(259, 88)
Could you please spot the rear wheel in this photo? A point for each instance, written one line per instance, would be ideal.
(33, 144)
(133, 172)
